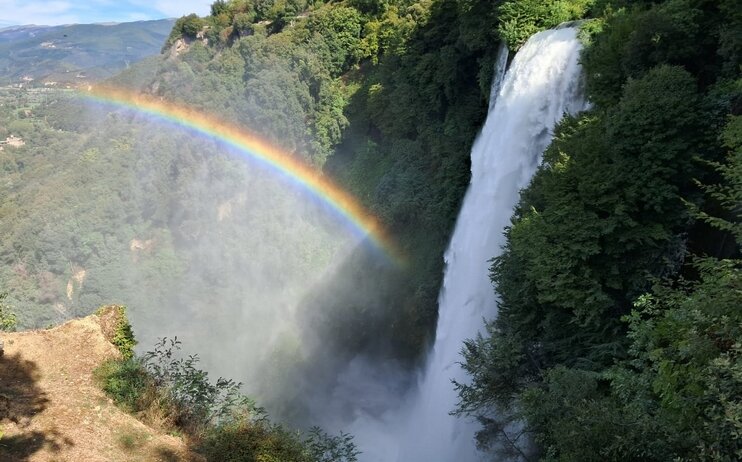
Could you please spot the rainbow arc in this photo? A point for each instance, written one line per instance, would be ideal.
(252, 146)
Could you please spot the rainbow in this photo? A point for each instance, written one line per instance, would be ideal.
(253, 147)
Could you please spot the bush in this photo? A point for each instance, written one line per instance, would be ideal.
(171, 389)
(226, 425)
(251, 437)
(518, 20)
(8, 319)
(245, 439)
(117, 329)
(125, 381)
(186, 26)
(196, 401)
(191, 25)
(243, 23)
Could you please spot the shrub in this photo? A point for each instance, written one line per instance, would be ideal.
(226, 425)
(521, 19)
(117, 329)
(249, 436)
(247, 439)
(125, 381)
(190, 25)
(8, 319)
(197, 402)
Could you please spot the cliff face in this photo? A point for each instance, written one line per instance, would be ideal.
(50, 408)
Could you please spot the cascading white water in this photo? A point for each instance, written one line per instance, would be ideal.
(501, 65)
(541, 85)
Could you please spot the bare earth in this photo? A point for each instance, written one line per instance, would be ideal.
(51, 410)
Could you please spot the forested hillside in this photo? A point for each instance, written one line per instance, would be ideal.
(357, 88)
(102, 206)
(388, 96)
(619, 329)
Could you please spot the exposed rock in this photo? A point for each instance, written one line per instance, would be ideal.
(13, 141)
(140, 245)
(78, 276)
(224, 210)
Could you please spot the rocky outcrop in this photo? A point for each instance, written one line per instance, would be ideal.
(52, 409)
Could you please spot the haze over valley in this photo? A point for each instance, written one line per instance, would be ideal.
(373, 231)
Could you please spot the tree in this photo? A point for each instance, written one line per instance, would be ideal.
(220, 7)
(189, 26)
(520, 19)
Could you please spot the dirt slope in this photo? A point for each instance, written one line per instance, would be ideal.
(51, 410)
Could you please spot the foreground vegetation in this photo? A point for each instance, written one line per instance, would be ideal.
(170, 391)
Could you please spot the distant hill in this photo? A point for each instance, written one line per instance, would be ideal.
(78, 53)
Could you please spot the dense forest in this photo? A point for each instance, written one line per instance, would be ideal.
(618, 333)
(619, 329)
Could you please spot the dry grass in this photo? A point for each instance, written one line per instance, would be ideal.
(51, 409)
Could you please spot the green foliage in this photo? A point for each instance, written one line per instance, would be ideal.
(161, 382)
(190, 25)
(730, 37)
(729, 193)
(685, 350)
(633, 40)
(226, 425)
(249, 436)
(219, 7)
(121, 333)
(322, 447)
(186, 26)
(8, 320)
(582, 243)
(340, 28)
(581, 358)
(197, 401)
(246, 439)
(243, 23)
(677, 396)
(520, 19)
(125, 381)
(371, 7)
(417, 107)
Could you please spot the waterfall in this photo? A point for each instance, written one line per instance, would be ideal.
(501, 65)
(542, 84)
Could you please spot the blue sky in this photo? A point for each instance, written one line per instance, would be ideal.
(53, 12)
